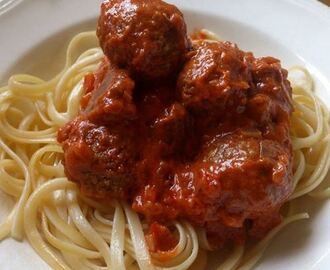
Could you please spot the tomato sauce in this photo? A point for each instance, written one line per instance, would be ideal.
(206, 141)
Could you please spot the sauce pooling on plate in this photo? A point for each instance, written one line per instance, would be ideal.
(182, 129)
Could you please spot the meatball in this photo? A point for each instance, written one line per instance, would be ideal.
(262, 163)
(99, 148)
(236, 178)
(215, 77)
(251, 177)
(100, 159)
(147, 37)
(220, 81)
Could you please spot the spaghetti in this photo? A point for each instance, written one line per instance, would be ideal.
(70, 231)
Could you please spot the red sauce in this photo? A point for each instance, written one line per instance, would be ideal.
(210, 144)
(160, 238)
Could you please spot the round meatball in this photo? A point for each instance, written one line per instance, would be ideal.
(147, 37)
(215, 77)
(98, 158)
(249, 176)
(236, 179)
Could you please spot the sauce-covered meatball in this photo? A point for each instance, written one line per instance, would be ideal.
(243, 177)
(148, 37)
(219, 81)
(215, 77)
(99, 147)
(99, 158)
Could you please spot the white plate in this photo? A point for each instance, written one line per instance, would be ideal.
(34, 35)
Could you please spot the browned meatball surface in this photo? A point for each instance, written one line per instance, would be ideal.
(148, 37)
(220, 81)
(216, 76)
(236, 177)
(99, 145)
(99, 158)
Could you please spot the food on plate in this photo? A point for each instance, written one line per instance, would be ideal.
(158, 146)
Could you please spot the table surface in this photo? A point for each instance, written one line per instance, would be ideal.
(327, 2)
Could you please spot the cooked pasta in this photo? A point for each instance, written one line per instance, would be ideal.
(70, 231)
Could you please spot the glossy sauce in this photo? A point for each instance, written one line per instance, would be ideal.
(209, 144)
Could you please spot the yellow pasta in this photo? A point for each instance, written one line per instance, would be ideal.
(70, 231)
